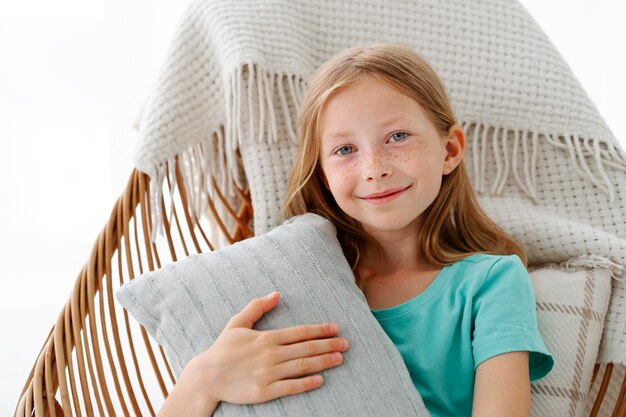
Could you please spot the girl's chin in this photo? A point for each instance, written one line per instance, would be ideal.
(391, 226)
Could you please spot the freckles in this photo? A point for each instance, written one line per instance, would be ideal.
(340, 175)
(348, 172)
(419, 151)
(377, 159)
(406, 157)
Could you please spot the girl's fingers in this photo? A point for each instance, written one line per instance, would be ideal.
(296, 334)
(252, 312)
(293, 386)
(304, 366)
(311, 348)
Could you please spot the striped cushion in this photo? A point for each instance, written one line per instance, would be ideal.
(571, 306)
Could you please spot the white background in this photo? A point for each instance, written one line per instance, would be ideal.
(74, 73)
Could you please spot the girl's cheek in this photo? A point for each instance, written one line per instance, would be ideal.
(419, 151)
(340, 171)
(407, 157)
(348, 171)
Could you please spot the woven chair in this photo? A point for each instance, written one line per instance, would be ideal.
(90, 362)
(98, 361)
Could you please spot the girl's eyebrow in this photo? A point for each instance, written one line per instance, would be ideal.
(343, 134)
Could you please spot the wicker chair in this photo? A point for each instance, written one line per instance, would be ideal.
(91, 362)
(95, 361)
(85, 367)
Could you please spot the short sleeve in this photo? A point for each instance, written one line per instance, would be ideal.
(505, 317)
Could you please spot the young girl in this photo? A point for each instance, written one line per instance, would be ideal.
(381, 156)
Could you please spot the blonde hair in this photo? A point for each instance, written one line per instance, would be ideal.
(454, 225)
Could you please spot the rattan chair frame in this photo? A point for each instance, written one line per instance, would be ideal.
(84, 366)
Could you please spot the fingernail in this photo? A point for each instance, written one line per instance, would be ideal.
(334, 328)
(270, 295)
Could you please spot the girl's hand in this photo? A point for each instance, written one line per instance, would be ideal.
(246, 366)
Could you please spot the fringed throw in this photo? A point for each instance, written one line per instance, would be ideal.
(226, 103)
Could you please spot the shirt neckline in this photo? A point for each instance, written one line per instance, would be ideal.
(416, 302)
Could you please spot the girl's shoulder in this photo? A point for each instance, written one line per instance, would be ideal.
(486, 277)
(486, 260)
(483, 267)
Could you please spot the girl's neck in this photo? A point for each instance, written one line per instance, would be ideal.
(399, 255)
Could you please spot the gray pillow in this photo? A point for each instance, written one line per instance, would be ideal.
(185, 305)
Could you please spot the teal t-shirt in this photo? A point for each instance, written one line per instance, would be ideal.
(477, 308)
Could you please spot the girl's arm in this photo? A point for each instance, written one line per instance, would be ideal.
(247, 366)
(502, 386)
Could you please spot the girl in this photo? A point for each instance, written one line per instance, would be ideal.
(381, 156)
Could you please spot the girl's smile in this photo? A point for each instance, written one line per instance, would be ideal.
(385, 196)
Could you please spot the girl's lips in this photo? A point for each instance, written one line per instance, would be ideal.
(385, 196)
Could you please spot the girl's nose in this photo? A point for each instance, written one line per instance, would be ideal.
(376, 166)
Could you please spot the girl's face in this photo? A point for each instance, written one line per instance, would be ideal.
(382, 158)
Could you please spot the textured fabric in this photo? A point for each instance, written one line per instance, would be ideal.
(575, 223)
(571, 306)
(475, 309)
(502, 73)
(185, 305)
(539, 154)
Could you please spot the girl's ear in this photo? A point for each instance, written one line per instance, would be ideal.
(455, 149)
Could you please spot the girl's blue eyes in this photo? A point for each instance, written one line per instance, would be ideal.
(394, 138)
(344, 148)
(398, 139)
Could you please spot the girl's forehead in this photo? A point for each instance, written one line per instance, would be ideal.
(368, 87)
(361, 83)
(374, 101)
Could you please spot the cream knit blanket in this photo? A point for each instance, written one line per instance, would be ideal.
(544, 163)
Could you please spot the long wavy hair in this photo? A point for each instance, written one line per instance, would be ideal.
(454, 226)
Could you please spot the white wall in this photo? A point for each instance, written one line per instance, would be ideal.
(73, 74)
